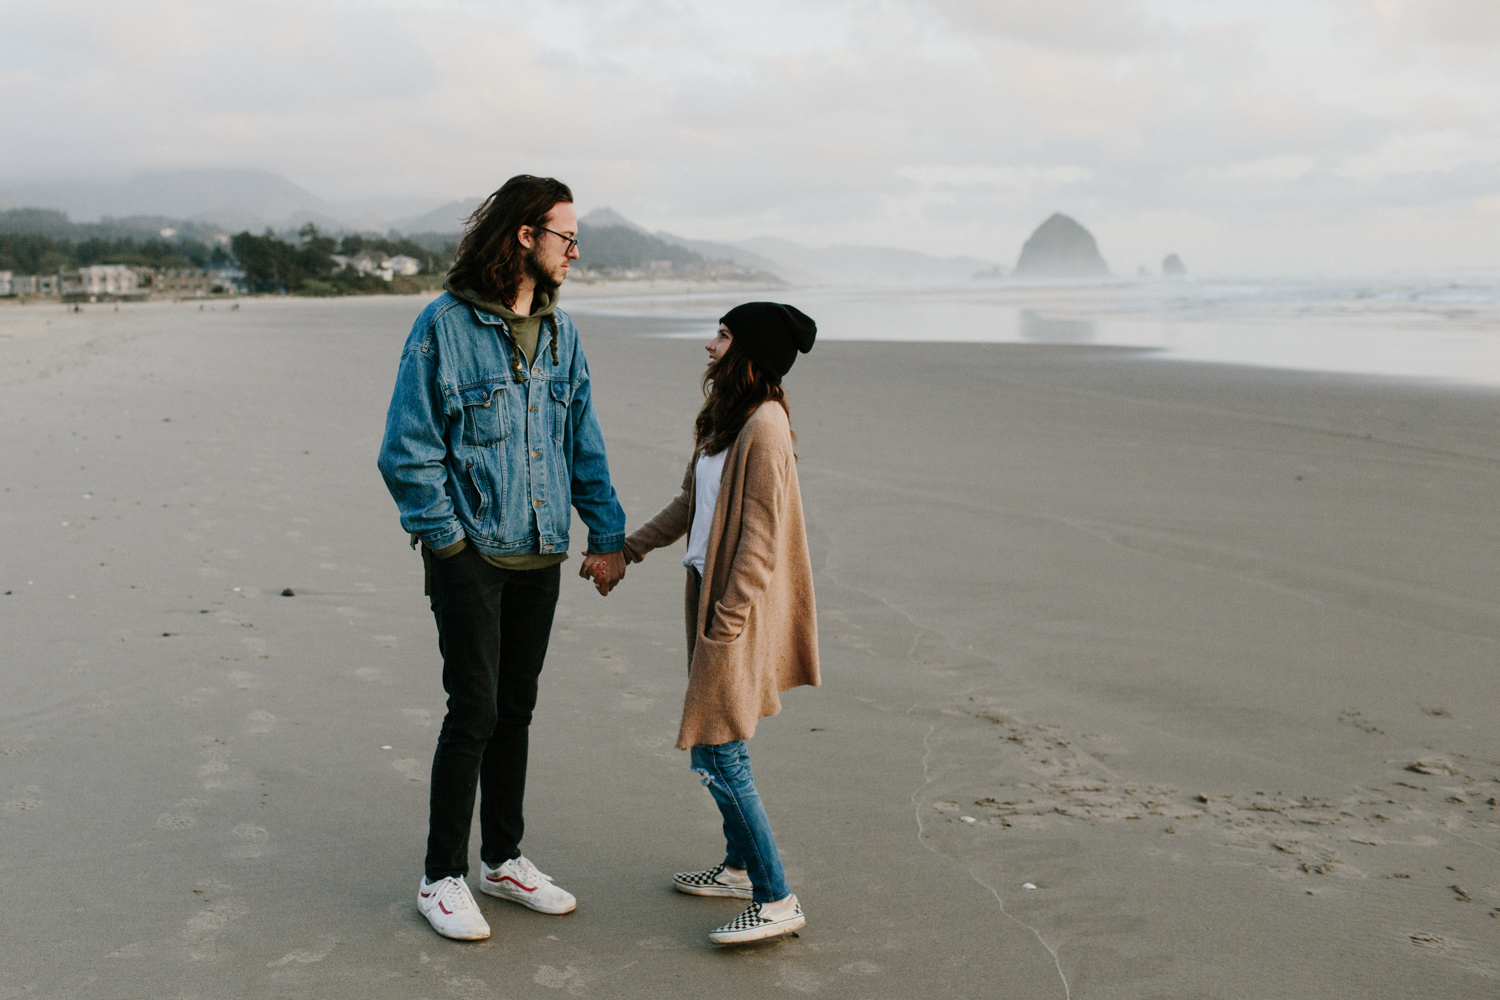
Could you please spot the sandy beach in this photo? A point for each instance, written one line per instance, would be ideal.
(1206, 654)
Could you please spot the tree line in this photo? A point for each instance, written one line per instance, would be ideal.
(272, 264)
(302, 265)
(33, 253)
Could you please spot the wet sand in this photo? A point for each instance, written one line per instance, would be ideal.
(1206, 654)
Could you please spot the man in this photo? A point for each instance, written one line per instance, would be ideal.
(490, 436)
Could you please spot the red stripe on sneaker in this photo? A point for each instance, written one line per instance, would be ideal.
(442, 906)
(507, 878)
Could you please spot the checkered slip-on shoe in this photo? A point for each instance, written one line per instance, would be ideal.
(761, 921)
(714, 882)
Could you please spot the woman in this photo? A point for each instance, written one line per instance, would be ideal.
(751, 626)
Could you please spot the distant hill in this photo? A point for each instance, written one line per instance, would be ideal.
(855, 265)
(202, 203)
(56, 225)
(231, 200)
(610, 245)
(731, 252)
(604, 248)
(608, 218)
(446, 218)
(202, 194)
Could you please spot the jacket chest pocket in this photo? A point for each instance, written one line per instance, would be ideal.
(562, 394)
(483, 413)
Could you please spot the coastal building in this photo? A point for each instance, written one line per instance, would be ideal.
(5, 284)
(184, 282)
(33, 284)
(114, 281)
(368, 261)
(402, 264)
(230, 281)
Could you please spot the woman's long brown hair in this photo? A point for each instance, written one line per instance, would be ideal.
(732, 389)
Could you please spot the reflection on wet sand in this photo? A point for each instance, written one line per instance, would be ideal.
(1040, 328)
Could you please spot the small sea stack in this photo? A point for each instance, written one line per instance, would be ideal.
(1061, 248)
(1172, 266)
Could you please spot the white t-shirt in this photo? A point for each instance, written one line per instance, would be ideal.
(706, 476)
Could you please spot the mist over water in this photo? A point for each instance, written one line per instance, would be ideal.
(1434, 325)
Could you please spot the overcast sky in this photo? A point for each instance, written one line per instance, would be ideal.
(1249, 136)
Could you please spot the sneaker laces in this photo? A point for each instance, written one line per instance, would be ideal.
(454, 892)
(526, 868)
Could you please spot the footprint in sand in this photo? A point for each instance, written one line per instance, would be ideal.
(253, 839)
(367, 674)
(799, 978)
(304, 956)
(570, 978)
(662, 943)
(28, 801)
(202, 931)
(210, 770)
(860, 968)
(409, 769)
(242, 680)
(261, 721)
(466, 987)
(632, 701)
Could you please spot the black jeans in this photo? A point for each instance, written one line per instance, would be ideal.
(493, 626)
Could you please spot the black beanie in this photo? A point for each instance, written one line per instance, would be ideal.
(771, 334)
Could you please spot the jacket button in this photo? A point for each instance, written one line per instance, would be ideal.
(486, 404)
(538, 503)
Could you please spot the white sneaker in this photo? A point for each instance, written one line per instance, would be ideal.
(519, 880)
(714, 882)
(761, 921)
(450, 908)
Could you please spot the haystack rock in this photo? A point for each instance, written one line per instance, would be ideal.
(1173, 266)
(1061, 248)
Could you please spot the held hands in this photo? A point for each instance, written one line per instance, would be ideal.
(605, 570)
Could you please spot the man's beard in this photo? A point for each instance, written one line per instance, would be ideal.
(545, 283)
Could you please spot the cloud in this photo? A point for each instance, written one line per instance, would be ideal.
(896, 121)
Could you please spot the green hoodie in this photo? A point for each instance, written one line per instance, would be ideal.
(525, 331)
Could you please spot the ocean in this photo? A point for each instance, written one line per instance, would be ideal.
(1442, 326)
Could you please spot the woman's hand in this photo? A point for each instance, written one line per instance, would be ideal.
(605, 570)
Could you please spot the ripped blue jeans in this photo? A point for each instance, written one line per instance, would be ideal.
(725, 772)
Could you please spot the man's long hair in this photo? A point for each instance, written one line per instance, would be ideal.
(490, 259)
(732, 389)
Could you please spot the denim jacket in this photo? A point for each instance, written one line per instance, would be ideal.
(480, 448)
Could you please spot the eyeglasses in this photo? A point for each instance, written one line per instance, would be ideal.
(571, 241)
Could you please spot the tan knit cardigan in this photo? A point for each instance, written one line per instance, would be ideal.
(752, 632)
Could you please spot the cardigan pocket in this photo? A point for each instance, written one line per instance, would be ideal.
(724, 644)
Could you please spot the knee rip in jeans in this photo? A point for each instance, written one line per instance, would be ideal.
(704, 775)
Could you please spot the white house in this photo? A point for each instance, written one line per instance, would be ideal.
(402, 264)
(103, 279)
